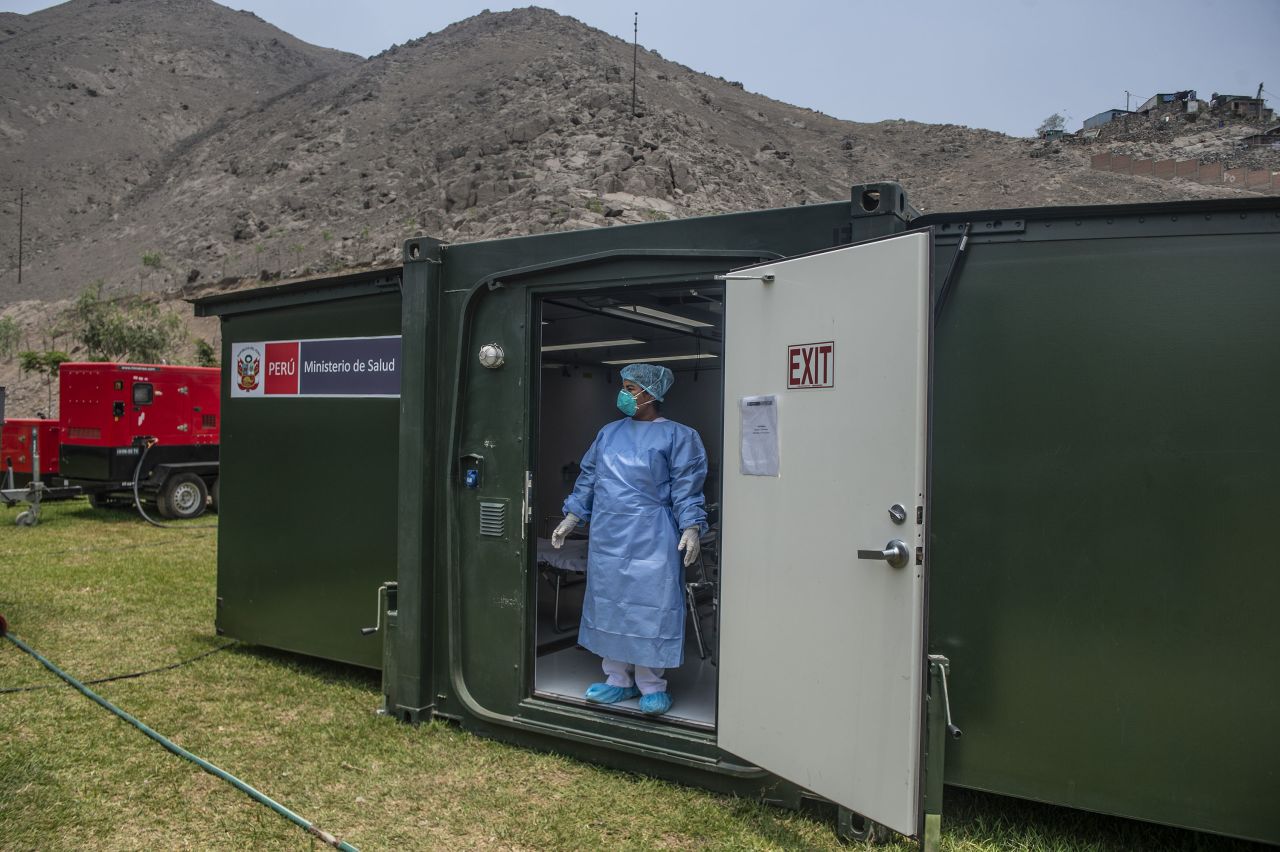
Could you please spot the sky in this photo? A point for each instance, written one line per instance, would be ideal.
(1002, 66)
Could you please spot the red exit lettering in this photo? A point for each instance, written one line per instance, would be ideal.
(811, 365)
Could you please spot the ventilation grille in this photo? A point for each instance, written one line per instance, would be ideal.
(493, 518)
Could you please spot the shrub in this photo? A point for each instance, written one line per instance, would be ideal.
(127, 329)
(206, 355)
(43, 364)
(9, 334)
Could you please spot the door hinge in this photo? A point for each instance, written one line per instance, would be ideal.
(526, 508)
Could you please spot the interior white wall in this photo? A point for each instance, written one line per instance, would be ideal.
(575, 407)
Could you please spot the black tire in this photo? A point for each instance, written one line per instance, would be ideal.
(183, 496)
(855, 828)
(213, 493)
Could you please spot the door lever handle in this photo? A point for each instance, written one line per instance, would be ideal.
(895, 553)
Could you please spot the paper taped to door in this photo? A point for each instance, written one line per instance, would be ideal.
(759, 435)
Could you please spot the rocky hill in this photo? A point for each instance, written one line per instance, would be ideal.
(504, 123)
(98, 98)
(290, 160)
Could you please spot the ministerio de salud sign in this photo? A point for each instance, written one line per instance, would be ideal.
(328, 367)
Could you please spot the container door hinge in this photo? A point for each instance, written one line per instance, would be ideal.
(526, 508)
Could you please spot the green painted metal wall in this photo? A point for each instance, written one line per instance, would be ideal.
(1105, 469)
(307, 526)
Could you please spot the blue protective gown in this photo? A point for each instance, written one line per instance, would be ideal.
(641, 484)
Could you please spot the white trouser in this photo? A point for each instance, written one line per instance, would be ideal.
(624, 674)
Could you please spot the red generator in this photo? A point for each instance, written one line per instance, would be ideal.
(155, 425)
(15, 450)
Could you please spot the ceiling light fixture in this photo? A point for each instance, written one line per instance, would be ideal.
(592, 344)
(659, 359)
(655, 317)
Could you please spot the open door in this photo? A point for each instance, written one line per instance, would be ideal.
(823, 581)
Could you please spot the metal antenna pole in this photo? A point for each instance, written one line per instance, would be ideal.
(22, 200)
(1126, 100)
(635, 54)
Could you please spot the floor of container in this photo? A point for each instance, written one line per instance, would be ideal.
(563, 670)
(564, 675)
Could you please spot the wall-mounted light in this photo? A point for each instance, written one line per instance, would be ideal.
(491, 356)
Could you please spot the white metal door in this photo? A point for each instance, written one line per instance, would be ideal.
(822, 652)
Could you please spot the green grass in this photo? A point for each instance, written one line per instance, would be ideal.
(102, 593)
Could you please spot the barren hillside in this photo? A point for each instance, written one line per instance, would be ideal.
(290, 160)
(504, 123)
(99, 97)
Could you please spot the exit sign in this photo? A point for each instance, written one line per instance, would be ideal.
(811, 365)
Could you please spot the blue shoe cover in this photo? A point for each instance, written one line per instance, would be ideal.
(603, 693)
(655, 704)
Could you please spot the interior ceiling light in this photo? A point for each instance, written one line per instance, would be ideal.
(592, 344)
(661, 358)
(655, 314)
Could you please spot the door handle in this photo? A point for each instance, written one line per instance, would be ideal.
(895, 553)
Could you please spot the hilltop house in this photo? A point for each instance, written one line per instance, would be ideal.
(1241, 106)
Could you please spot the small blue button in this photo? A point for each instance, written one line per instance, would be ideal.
(472, 479)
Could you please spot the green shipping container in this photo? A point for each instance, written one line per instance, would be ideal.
(307, 521)
(1024, 448)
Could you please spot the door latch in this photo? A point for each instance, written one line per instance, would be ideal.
(895, 553)
(943, 665)
(377, 625)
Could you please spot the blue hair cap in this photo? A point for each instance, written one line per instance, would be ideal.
(656, 380)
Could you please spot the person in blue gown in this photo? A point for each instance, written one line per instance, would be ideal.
(641, 489)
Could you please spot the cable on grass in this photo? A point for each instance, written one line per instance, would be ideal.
(36, 687)
(261, 798)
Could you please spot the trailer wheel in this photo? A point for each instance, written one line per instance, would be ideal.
(855, 828)
(213, 492)
(182, 496)
(25, 519)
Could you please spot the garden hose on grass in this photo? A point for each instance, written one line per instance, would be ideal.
(137, 499)
(173, 747)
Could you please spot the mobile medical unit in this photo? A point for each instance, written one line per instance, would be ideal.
(997, 471)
